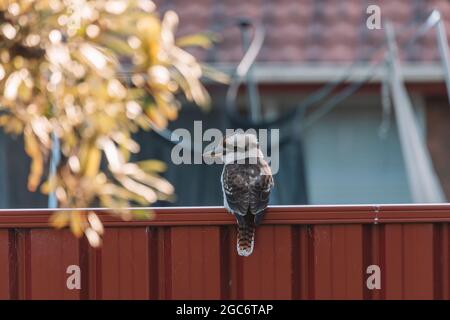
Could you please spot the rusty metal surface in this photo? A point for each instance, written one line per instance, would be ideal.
(189, 253)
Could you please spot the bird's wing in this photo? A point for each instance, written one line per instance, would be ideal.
(260, 190)
(235, 189)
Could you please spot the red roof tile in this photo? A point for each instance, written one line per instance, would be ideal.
(308, 30)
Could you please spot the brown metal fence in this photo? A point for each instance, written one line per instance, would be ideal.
(189, 253)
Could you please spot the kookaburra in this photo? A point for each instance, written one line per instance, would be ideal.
(246, 183)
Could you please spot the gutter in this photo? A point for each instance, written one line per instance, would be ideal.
(298, 73)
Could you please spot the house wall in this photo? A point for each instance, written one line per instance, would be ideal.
(348, 161)
(345, 161)
(438, 137)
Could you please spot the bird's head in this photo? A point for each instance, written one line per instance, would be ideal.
(236, 148)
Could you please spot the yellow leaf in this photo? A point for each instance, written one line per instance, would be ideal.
(4, 119)
(120, 193)
(95, 223)
(138, 188)
(37, 161)
(214, 74)
(60, 219)
(94, 158)
(116, 44)
(152, 165)
(169, 111)
(149, 29)
(143, 214)
(195, 40)
(77, 223)
(93, 237)
(156, 118)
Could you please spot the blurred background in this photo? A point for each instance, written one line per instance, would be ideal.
(321, 77)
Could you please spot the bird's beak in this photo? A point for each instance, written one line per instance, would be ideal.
(215, 153)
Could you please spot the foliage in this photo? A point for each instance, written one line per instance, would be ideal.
(89, 74)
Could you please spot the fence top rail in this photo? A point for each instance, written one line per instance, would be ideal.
(276, 215)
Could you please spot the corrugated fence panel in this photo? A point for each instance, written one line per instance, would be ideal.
(267, 273)
(373, 254)
(195, 263)
(48, 254)
(418, 261)
(441, 268)
(5, 284)
(190, 253)
(124, 264)
(303, 262)
(409, 261)
(338, 262)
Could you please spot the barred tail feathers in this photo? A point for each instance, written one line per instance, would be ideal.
(246, 237)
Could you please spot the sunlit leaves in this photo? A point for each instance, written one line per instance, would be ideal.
(90, 74)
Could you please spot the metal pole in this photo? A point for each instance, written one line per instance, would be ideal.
(423, 181)
(252, 88)
(54, 161)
